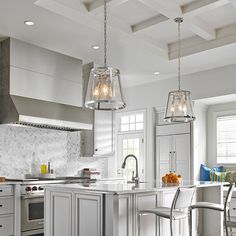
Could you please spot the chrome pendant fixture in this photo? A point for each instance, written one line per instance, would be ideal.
(179, 105)
(104, 88)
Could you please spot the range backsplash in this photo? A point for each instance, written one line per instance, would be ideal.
(24, 149)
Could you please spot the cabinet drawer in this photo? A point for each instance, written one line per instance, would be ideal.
(6, 205)
(6, 190)
(6, 225)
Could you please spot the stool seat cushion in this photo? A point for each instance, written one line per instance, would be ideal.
(164, 212)
(208, 205)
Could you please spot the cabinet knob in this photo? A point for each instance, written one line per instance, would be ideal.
(96, 149)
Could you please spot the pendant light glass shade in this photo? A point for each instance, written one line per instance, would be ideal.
(179, 105)
(104, 89)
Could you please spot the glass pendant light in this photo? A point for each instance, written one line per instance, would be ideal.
(179, 105)
(104, 88)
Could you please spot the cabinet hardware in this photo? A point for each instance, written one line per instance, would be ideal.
(234, 208)
(1, 190)
(0, 226)
(1, 205)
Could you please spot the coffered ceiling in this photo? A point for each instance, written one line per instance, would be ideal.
(142, 33)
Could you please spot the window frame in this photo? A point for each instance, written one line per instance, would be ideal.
(131, 133)
(217, 114)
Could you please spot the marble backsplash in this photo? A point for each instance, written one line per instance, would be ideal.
(24, 149)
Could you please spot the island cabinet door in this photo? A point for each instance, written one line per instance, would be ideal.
(125, 215)
(88, 215)
(148, 223)
(58, 220)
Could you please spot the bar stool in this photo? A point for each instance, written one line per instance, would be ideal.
(179, 208)
(217, 207)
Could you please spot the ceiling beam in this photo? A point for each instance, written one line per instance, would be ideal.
(194, 24)
(97, 6)
(148, 23)
(201, 6)
(200, 28)
(193, 45)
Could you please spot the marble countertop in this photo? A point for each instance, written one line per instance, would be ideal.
(123, 188)
(10, 183)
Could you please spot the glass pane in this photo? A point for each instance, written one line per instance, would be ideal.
(132, 119)
(36, 211)
(139, 126)
(124, 128)
(124, 120)
(132, 127)
(125, 144)
(139, 117)
(136, 143)
(130, 143)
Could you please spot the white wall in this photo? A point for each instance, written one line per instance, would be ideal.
(212, 83)
(199, 139)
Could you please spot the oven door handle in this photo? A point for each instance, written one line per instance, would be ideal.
(32, 196)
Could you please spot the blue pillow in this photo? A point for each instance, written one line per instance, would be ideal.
(205, 172)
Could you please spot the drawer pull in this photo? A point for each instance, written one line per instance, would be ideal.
(0, 205)
(0, 226)
(234, 208)
(1, 190)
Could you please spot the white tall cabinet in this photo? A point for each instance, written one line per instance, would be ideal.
(104, 133)
(173, 150)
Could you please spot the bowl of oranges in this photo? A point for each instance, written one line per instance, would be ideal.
(171, 178)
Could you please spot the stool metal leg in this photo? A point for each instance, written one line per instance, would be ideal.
(171, 226)
(225, 221)
(139, 224)
(190, 222)
(230, 225)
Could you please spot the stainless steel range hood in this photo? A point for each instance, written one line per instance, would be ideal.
(42, 88)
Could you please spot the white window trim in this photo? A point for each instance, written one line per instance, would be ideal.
(144, 131)
(215, 115)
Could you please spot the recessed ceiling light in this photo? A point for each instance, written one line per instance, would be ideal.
(156, 73)
(29, 22)
(95, 47)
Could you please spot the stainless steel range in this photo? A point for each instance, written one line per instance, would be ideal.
(32, 203)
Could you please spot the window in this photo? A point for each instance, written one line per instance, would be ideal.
(130, 140)
(226, 139)
(131, 122)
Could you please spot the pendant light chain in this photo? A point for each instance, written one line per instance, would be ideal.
(179, 21)
(105, 33)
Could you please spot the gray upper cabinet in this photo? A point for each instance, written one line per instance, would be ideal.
(42, 74)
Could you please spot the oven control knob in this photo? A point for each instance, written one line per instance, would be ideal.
(35, 188)
(40, 188)
(28, 189)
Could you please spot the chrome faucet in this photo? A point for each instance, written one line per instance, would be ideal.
(136, 177)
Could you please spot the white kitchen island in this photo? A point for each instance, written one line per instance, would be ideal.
(111, 209)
